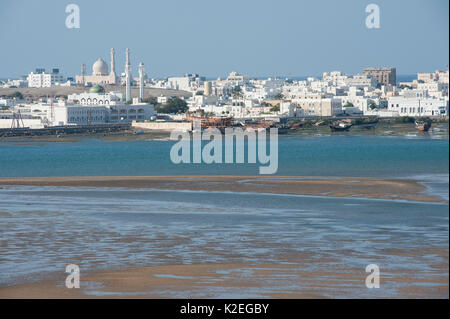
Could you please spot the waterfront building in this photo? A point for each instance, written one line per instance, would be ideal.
(287, 109)
(75, 114)
(117, 109)
(319, 105)
(93, 107)
(10, 118)
(418, 106)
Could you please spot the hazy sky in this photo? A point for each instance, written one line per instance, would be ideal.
(211, 37)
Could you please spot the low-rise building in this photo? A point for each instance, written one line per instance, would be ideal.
(417, 106)
(321, 106)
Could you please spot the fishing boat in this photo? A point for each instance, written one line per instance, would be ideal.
(282, 129)
(341, 126)
(423, 124)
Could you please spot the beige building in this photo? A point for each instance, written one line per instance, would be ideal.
(437, 76)
(100, 73)
(319, 106)
(208, 88)
(384, 76)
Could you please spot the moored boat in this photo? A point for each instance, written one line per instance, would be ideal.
(341, 126)
(423, 125)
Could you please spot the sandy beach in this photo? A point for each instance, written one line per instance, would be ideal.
(375, 188)
(304, 273)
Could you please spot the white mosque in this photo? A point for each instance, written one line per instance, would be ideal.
(100, 73)
(95, 106)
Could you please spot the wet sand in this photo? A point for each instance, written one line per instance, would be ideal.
(290, 280)
(374, 188)
(294, 275)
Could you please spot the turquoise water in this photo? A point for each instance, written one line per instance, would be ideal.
(298, 156)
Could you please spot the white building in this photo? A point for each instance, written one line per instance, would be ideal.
(188, 82)
(100, 73)
(43, 79)
(179, 83)
(162, 99)
(235, 78)
(416, 106)
(95, 107)
(287, 109)
(116, 109)
(73, 114)
(18, 83)
(6, 102)
(96, 97)
(7, 117)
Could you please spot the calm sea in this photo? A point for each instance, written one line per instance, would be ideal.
(350, 155)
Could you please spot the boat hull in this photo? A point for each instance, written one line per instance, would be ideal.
(423, 127)
(340, 128)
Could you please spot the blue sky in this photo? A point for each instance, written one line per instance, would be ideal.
(212, 38)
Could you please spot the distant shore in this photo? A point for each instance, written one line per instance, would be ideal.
(356, 187)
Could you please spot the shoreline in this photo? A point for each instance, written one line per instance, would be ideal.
(345, 187)
(386, 129)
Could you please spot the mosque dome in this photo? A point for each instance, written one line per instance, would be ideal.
(97, 89)
(100, 67)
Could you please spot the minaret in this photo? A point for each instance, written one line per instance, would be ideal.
(113, 65)
(141, 81)
(128, 77)
(83, 74)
